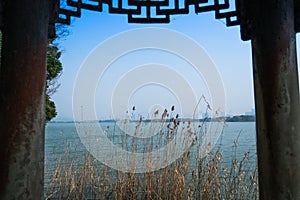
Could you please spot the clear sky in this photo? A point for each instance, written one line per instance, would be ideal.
(231, 56)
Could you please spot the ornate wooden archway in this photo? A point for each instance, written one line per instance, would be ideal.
(270, 25)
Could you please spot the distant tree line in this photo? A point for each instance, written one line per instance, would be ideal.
(241, 118)
(237, 118)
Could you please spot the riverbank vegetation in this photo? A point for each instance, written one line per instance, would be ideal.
(191, 176)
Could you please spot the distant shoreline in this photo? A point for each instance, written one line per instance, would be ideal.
(236, 118)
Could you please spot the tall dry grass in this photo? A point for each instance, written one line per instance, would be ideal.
(189, 177)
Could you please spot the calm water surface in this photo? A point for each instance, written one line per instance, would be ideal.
(62, 139)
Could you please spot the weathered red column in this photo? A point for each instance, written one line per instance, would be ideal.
(276, 98)
(22, 87)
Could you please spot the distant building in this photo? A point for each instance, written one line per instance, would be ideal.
(252, 112)
(228, 115)
(205, 115)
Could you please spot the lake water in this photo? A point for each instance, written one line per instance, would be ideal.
(62, 138)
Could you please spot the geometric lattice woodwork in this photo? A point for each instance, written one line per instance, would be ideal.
(149, 11)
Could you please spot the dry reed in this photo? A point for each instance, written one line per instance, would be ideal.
(189, 177)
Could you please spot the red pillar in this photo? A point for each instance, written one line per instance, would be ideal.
(276, 98)
(22, 88)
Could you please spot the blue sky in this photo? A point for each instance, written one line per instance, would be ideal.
(230, 54)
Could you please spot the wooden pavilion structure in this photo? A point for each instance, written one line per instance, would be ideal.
(270, 25)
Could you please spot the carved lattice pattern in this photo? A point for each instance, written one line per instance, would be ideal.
(149, 11)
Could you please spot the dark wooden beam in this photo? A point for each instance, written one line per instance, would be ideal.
(22, 103)
(276, 98)
(297, 15)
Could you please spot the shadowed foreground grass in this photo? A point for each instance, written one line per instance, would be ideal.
(209, 181)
